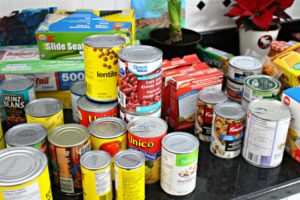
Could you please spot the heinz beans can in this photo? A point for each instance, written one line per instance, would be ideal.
(77, 91)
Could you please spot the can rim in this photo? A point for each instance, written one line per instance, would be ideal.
(175, 134)
(120, 43)
(222, 96)
(99, 108)
(30, 106)
(14, 80)
(273, 90)
(257, 62)
(104, 154)
(138, 114)
(78, 85)
(233, 104)
(122, 54)
(132, 152)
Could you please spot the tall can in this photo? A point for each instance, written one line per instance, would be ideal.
(101, 66)
(145, 135)
(267, 127)
(77, 91)
(67, 143)
(179, 163)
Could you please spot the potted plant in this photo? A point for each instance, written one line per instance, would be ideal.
(258, 22)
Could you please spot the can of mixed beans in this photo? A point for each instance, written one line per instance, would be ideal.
(16, 94)
(140, 78)
(179, 163)
(128, 116)
(77, 91)
(130, 175)
(96, 175)
(206, 101)
(234, 90)
(145, 135)
(267, 127)
(89, 111)
(24, 174)
(101, 66)
(45, 111)
(67, 143)
(227, 130)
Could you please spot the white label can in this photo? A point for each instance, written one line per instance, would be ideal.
(77, 91)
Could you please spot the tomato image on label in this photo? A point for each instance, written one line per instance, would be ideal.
(111, 147)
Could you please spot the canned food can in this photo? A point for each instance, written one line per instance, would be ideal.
(96, 175)
(179, 163)
(2, 142)
(16, 94)
(206, 101)
(130, 175)
(145, 135)
(245, 103)
(242, 66)
(140, 78)
(227, 130)
(129, 116)
(268, 122)
(89, 111)
(45, 111)
(24, 174)
(101, 66)
(234, 90)
(67, 143)
(77, 91)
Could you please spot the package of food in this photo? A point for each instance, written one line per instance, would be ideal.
(180, 62)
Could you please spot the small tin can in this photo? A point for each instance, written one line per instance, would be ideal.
(234, 90)
(88, 110)
(179, 163)
(77, 91)
(145, 135)
(96, 175)
(267, 127)
(24, 174)
(67, 143)
(206, 101)
(130, 175)
(16, 94)
(101, 66)
(129, 116)
(45, 111)
(242, 66)
(227, 130)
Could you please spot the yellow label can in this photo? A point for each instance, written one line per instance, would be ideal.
(2, 142)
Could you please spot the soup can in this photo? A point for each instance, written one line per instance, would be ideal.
(77, 91)
(45, 111)
(268, 123)
(179, 163)
(234, 90)
(89, 111)
(206, 101)
(129, 116)
(145, 135)
(227, 130)
(96, 175)
(16, 94)
(101, 66)
(67, 143)
(24, 174)
(130, 175)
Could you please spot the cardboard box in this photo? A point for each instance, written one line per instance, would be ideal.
(180, 62)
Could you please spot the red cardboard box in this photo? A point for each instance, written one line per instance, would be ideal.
(180, 62)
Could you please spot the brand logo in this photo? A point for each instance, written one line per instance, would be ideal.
(107, 74)
(286, 100)
(42, 38)
(140, 68)
(235, 129)
(13, 101)
(139, 143)
(264, 41)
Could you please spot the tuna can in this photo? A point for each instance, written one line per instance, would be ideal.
(45, 111)
(77, 91)
(268, 123)
(227, 130)
(88, 110)
(130, 175)
(67, 143)
(140, 78)
(16, 94)
(242, 66)
(234, 90)
(24, 174)
(128, 116)
(101, 66)
(96, 175)
(179, 163)
(206, 101)
(145, 135)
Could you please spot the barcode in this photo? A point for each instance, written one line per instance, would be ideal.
(108, 196)
(253, 157)
(66, 185)
(122, 98)
(88, 87)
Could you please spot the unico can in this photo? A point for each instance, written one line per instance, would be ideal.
(67, 144)
(24, 174)
(145, 135)
(101, 66)
(267, 126)
(179, 163)
(96, 175)
(77, 91)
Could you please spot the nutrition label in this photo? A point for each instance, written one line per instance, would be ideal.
(31, 192)
(103, 183)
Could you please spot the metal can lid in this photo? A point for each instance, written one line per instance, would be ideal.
(129, 159)
(95, 160)
(140, 54)
(16, 84)
(91, 106)
(25, 134)
(147, 127)
(180, 143)
(246, 63)
(69, 135)
(269, 109)
(108, 127)
(20, 165)
(104, 41)
(78, 88)
(230, 110)
(43, 107)
(263, 83)
(212, 96)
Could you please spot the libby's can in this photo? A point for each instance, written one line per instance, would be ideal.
(77, 91)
